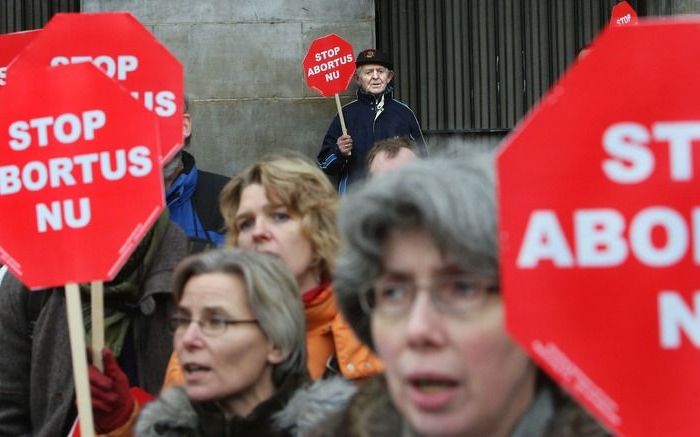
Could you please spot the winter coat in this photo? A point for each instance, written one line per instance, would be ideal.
(293, 410)
(193, 202)
(368, 119)
(371, 413)
(37, 395)
(329, 336)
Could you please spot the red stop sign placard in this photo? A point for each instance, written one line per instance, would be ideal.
(125, 50)
(80, 181)
(10, 46)
(623, 14)
(600, 230)
(329, 65)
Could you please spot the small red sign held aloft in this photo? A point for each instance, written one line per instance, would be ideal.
(329, 65)
(623, 14)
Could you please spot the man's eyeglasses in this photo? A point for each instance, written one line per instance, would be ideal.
(211, 326)
(454, 295)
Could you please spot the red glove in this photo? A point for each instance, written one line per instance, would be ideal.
(112, 404)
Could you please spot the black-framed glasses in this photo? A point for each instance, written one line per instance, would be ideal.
(210, 326)
(453, 295)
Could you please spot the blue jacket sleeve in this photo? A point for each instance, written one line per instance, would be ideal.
(330, 159)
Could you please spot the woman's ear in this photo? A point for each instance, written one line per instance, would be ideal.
(275, 355)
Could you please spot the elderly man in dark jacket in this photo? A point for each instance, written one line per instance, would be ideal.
(374, 116)
(37, 394)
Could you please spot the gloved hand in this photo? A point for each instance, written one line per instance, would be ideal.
(112, 404)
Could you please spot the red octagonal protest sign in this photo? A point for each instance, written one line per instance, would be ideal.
(329, 65)
(80, 181)
(10, 46)
(623, 14)
(126, 51)
(599, 192)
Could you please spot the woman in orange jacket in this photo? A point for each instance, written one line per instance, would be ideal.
(286, 207)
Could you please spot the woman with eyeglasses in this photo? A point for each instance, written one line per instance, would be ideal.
(417, 278)
(239, 334)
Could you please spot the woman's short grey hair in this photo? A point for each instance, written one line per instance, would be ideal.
(273, 296)
(450, 199)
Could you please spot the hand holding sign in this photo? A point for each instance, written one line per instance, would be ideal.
(109, 389)
(80, 159)
(68, 169)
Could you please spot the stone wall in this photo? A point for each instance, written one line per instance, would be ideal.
(243, 70)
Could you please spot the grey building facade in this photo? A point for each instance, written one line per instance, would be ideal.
(470, 68)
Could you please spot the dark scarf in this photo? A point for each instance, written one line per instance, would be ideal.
(123, 293)
(214, 422)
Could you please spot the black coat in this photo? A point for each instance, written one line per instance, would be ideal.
(365, 128)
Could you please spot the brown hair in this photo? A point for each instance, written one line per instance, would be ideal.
(391, 146)
(301, 187)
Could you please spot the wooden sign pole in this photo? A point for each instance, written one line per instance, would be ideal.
(340, 115)
(98, 322)
(76, 330)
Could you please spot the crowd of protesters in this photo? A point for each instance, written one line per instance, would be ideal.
(377, 313)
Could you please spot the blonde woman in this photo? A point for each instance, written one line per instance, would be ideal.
(286, 207)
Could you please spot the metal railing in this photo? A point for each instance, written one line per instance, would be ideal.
(478, 66)
(18, 15)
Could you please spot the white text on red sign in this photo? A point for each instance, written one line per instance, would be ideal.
(61, 130)
(624, 19)
(599, 234)
(119, 67)
(332, 63)
(676, 318)
(605, 238)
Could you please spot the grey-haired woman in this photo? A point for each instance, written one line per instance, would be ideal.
(239, 334)
(417, 278)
